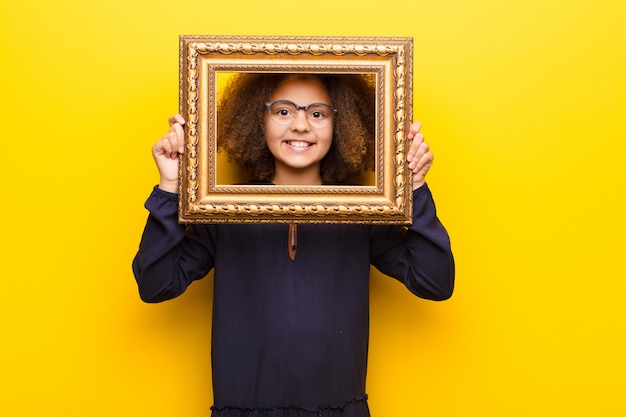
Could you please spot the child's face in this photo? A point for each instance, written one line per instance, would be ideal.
(298, 147)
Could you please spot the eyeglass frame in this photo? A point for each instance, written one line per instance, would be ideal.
(298, 107)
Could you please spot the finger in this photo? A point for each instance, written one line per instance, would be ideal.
(424, 163)
(419, 178)
(421, 157)
(168, 146)
(176, 137)
(414, 130)
(179, 133)
(176, 118)
(176, 141)
(161, 148)
(416, 148)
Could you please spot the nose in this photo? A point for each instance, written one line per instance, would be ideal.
(300, 123)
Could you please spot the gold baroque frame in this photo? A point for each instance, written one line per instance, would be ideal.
(203, 200)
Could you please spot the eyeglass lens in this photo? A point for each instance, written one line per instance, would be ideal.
(285, 112)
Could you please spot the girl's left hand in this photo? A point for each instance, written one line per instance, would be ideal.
(419, 157)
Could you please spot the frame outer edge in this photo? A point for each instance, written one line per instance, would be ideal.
(405, 43)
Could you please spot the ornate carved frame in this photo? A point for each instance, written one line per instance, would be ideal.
(202, 200)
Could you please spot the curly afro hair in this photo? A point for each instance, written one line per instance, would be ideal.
(241, 124)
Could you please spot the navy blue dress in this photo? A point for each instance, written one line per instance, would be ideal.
(290, 336)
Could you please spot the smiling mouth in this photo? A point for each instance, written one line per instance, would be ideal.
(298, 143)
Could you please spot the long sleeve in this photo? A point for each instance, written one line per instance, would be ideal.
(170, 255)
(291, 334)
(420, 255)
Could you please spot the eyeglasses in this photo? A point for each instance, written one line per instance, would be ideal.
(284, 112)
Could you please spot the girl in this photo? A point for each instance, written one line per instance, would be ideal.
(290, 320)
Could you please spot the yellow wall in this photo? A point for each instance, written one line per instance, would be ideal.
(524, 103)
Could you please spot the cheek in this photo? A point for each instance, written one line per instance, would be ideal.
(328, 136)
(270, 132)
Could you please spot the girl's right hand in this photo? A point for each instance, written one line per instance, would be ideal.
(165, 153)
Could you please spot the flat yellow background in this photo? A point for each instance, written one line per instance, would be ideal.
(524, 104)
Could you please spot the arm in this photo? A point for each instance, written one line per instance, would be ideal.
(420, 256)
(170, 255)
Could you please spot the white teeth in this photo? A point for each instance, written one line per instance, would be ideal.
(298, 144)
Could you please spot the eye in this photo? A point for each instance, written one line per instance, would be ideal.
(318, 114)
(283, 110)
